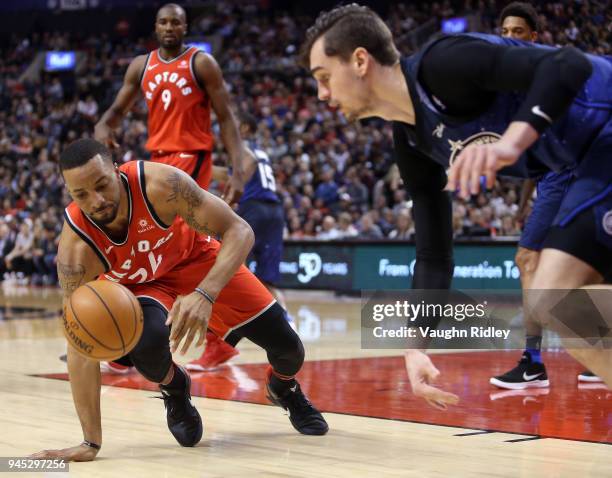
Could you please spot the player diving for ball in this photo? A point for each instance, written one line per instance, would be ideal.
(151, 228)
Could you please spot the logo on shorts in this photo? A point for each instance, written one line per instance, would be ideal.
(607, 222)
(486, 137)
(144, 226)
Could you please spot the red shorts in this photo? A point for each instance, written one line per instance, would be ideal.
(243, 299)
(198, 164)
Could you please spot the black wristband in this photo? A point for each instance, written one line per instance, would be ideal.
(90, 444)
(205, 294)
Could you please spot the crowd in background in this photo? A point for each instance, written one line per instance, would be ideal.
(336, 180)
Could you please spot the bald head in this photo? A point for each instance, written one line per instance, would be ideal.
(172, 8)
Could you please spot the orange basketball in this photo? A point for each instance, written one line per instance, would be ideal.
(103, 320)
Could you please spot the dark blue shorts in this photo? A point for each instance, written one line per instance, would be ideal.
(551, 189)
(267, 221)
(583, 225)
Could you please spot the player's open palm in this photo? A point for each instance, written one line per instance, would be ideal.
(75, 453)
(189, 316)
(476, 161)
(421, 373)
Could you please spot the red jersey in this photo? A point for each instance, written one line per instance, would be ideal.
(179, 109)
(150, 248)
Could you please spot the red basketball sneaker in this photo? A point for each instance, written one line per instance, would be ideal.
(217, 352)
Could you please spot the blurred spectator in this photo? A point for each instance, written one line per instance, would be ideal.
(327, 190)
(18, 261)
(509, 227)
(368, 229)
(328, 229)
(346, 230)
(7, 243)
(88, 109)
(405, 228)
(477, 225)
(355, 189)
(44, 254)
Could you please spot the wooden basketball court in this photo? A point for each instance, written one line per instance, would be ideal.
(376, 427)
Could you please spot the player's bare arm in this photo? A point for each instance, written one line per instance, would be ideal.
(77, 264)
(250, 163)
(209, 74)
(174, 193)
(126, 97)
(221, 173)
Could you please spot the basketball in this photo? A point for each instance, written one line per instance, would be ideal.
(103, 320)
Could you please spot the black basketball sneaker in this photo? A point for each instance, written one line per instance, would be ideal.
(183, 419)
(305, 418)
(588, 376)
(526, 374)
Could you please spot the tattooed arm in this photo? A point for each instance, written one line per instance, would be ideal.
(77, 264)
(172, 192)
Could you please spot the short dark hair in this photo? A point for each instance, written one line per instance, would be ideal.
(349, 27)
(249, 120)
(80, 152)
(523, 10)
(173, 6)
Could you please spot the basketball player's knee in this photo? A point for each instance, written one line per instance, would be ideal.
(287, 357)
(526, 260)
(154, 369)
(152, 356)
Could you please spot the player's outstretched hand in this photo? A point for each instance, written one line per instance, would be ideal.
(421, 373)
(480, 160)
(189, 315)
(233, 189)
(105, 135)
(75, 453)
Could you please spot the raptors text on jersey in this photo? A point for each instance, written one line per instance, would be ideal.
(179, 109)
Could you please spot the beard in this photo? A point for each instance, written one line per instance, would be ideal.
(107, 215)
(170, 43)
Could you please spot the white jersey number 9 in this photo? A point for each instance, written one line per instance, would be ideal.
(166, 97)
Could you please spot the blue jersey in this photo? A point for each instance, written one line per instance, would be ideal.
(561, 147)
(262, 185)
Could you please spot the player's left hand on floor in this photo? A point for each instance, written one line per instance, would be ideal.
(476, 161)
(75, 453)
(189, 315)
(421, 373)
